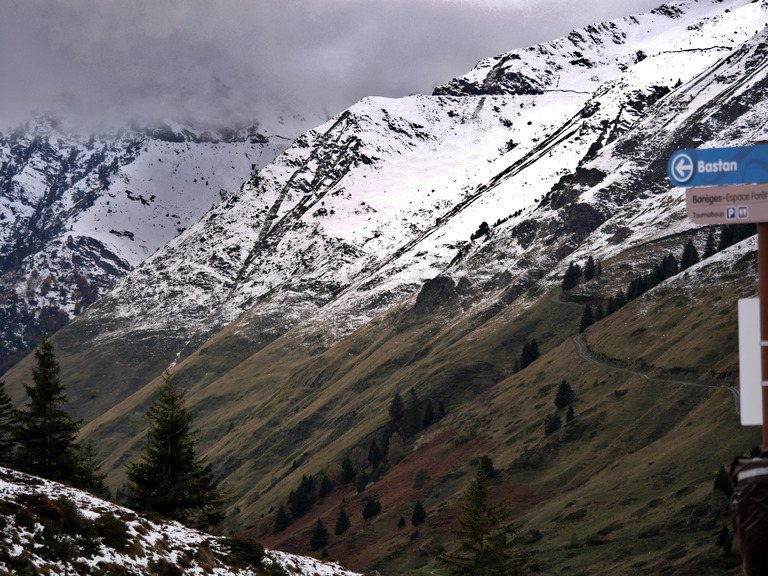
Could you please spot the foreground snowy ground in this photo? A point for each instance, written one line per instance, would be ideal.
(46, 527)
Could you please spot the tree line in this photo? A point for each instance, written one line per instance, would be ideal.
(169, 479)
(730, 234)
(406, 418)
(666, 267)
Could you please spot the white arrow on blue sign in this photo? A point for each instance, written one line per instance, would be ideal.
(719, 166)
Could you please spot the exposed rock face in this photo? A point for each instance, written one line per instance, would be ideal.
(433, 294)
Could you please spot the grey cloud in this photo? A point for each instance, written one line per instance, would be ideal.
(219, 61)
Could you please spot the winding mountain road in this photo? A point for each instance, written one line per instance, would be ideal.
(584, 354)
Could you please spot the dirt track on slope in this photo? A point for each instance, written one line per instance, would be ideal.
(584, 354)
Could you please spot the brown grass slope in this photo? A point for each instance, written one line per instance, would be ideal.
(626, 487)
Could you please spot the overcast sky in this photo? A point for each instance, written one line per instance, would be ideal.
(216, 60)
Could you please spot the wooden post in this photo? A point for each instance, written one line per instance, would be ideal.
(762, 275)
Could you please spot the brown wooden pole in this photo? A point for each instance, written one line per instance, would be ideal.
(762, 274)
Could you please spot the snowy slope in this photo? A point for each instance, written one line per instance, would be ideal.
(80, 211)
(33, 512)
(360, 211)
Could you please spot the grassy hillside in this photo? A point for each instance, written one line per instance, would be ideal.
(625, 487)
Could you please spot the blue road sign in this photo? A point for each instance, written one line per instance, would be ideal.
(719, 166)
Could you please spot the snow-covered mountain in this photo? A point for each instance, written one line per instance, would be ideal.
(556, 148)
(393, 238)
(51, 528)
(79, 211)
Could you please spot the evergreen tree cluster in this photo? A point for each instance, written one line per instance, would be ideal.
(170, 480)
(320, 536)
(300, 500)
(662, 270)
(409, 416)
(483, 230)
(372, 508)
(360, 467)
(668, 266)
(731, 234)
(574, 273)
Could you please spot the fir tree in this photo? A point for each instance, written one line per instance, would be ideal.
(599, 312)
(325, 487)
(569, 415)
(620, 299)
(530, 353)
(429, 415)
(590, 270)
(565, 395)
(669, 268)
(415, 417)
(347, 470)
(44, 432)
(87, 474)
(170, 479)
(571, 276)
(342, 523)
(319, 537)
(689, 257)
(487, 463)
(301, 499)
(486, 536)
(587, 319)
(374, 454)
(419, 514)
(372, 508)
(639, 285)
(552, 423)
(723, 483)
(710, 247)
(397, 413)
(361, 481)
(7, 416)
(282, 520)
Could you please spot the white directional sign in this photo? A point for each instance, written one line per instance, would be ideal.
(734, 204)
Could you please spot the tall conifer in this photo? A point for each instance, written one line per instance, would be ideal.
(170, 479)
(44, 432)
(486, 536)
(342, 523)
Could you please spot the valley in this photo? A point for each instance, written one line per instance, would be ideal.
(354, 320)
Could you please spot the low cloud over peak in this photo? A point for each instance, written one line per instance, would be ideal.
(221, 62)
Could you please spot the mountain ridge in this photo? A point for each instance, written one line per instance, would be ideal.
(81, 210)
(415, 244)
